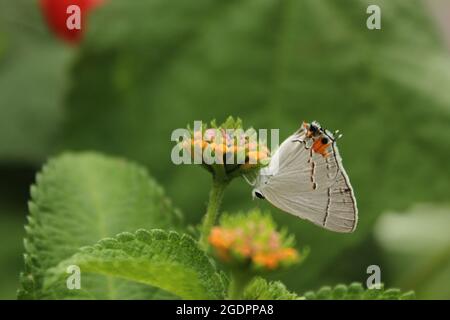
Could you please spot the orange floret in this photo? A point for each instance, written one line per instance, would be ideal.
(267, 260)
(221, 238)
(255, 156)
(288, 254)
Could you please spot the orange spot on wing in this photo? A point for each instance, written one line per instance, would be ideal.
(320, 148)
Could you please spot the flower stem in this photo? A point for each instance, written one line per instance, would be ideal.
(212, 212)
(239, 281)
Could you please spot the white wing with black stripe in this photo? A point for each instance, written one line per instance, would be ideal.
(306, 178)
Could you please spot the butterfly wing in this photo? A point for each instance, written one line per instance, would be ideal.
(309, 185)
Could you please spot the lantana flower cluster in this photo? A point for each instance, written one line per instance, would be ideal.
(252, 240)
(226, 150)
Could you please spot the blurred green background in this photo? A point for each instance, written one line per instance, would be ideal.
(148, 67)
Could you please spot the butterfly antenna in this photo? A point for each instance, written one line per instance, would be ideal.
(338, 135)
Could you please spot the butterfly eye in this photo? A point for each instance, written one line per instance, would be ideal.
(313, 128)
(324, 140)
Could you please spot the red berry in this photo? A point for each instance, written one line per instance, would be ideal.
(55, 13)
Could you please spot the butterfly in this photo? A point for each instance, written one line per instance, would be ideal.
(305, 177)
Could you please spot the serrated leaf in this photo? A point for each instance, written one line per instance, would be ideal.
(355, 291)
(260, 289)
(81, 198)
(158, 258)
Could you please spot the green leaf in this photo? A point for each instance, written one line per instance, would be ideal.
(355, 291)
(260, 289)
(81, 198)
(158, 258)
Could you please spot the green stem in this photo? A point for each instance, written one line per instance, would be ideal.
(212, 212)
(239, 281)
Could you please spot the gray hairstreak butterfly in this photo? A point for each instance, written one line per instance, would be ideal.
(305, 177)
